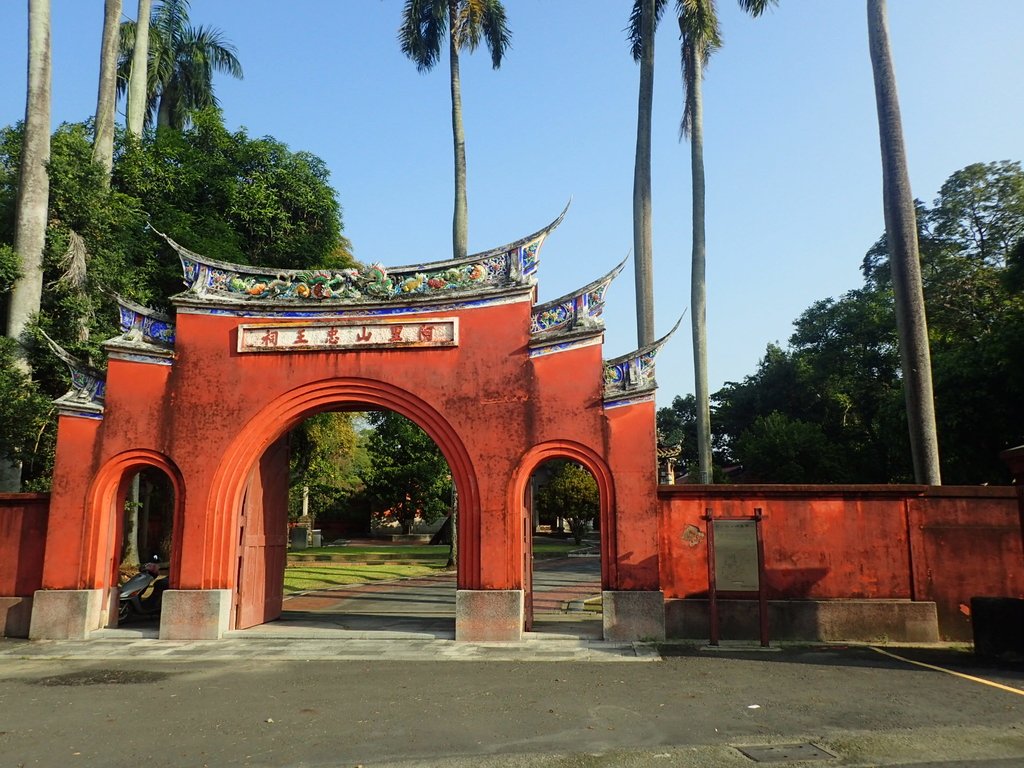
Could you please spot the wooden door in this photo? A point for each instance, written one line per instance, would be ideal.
(263, 538)
(527, 516)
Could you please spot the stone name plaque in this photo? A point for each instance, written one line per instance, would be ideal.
(321, 336)
(736, 556)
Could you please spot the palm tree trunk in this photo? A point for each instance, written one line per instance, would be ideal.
(698, 285)
(103, 140)
(33, 197)
(460, 219)
(138, 83)
(643, 258)
(901, 233)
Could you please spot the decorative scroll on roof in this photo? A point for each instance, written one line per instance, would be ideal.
(581, 309)
(142, 324)
(147, 336)
(88, 385)
(511, 265)
(633, 374)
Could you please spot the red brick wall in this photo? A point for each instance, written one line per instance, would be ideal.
(871, 542)
(23, 518)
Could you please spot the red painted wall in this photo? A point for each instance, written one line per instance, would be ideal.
(942, 544)
(23, 522)
(486, 403)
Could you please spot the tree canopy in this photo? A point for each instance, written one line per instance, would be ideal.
(829, 407)
(408, 476)
(222, 193)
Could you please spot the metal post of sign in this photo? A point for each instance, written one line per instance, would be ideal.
(712, 591)
(739, 580)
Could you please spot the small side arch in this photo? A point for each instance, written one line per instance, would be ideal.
(596, 465)
(106, 496)
(287, 410)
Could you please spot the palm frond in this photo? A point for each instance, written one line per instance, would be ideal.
(422, 33)
(756, 7)
(496, 32)
(700, 36)
(209, 44)
(635, 19)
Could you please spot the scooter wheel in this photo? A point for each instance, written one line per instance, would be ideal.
(122, 612)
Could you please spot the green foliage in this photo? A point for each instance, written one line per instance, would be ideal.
(408, 476)
(788, 451)
(9, 267)
(571, 493)
(181, 63)
(424, 31)
(829, 408)
(327, 455)
(217, 192)
(24, 412)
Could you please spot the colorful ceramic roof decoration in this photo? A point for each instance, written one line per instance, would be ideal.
(142, 324)
(580, 309)
(632, 375)
(508, 266)
(88, 385)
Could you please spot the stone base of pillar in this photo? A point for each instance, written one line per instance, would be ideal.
(15, 616)
(489, 615)
(195, 614)
(67, 614)
(633, 615)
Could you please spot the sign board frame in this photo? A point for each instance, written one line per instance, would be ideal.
(758, 592)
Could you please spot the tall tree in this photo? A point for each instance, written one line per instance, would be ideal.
(106, 98)
(425, 26)
(644, 20)
(138, 71)
(700, 37)
(181, 60)
(901, 233)
(33, 197)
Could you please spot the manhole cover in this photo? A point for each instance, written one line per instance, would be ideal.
(779, 753)
(104, 677)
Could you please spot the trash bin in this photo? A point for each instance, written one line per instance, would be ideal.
(298, 538)
(998, 626)
(318, 539)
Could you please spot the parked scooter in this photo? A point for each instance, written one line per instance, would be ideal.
(141, 595)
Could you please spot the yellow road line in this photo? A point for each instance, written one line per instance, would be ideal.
(972, 678)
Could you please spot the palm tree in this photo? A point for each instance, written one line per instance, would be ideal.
(180, 66)
(138, 77)
(106, 98)
(905, 266)
(700, 37)
(425, 25)
(644, 19)
(33, 197)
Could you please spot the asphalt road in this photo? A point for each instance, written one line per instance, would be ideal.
(695, 707)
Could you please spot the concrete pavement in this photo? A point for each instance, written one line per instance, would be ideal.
(692, 708)
(370, 677)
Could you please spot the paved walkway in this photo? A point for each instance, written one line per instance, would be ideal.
(408, 620)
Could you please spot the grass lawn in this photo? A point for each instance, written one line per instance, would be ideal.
(425, 552)
(440, 551)
(299, 578)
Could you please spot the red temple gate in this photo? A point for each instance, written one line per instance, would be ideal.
(500, 383)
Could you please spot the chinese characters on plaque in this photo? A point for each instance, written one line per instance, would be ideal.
(319, 336)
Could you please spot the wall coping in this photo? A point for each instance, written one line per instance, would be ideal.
(763, 491)
(6, 499)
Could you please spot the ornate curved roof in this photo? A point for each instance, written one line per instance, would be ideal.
(632, 375)
(580, 309)
(88, 385)
(498, 269)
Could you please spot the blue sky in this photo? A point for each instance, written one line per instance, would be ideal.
(791, 139)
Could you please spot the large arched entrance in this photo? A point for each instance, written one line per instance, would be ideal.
(250, 479)
(461, 348)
